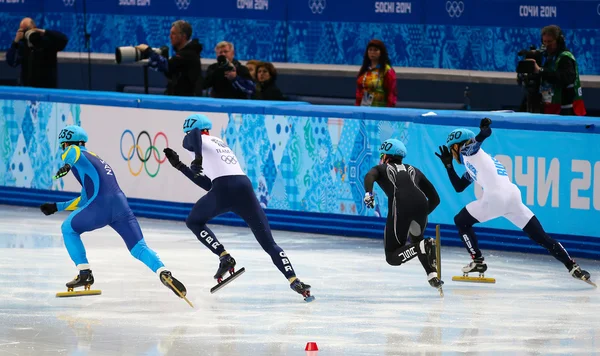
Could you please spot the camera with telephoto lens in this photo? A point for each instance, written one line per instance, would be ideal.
(33, 38)
(131, 54)
(225, 64)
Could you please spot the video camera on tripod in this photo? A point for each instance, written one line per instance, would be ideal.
(528, 79)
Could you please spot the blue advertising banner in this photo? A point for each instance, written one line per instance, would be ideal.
(241, 9)
(356, 11)
(33, 6)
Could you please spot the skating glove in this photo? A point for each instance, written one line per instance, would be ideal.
(63, 171)
(369, 200)
(173, 157)
(196, 167)
(48, 208)
(445, 156)
(484, 127)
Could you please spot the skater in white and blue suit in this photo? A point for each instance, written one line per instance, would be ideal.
(216, 169)
(101, 203)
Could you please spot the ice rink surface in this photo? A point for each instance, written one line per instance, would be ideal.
(363, 306)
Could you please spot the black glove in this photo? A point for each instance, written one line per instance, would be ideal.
(484, 127)
(63, 171)
(196, 167)
(173, 157)
(445, 156)
(48, 208)
(485, 123)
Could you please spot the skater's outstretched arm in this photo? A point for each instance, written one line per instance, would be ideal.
(71, 157)
(485, 130)
(370, 178)
(429, 190)
(200, 180)
(459, 183)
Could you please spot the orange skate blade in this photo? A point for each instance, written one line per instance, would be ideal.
(473, 279)
(79, 293)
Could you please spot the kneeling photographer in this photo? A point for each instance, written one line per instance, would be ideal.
(560, 89)
(35, 50)
(183, 70)
(228, 78)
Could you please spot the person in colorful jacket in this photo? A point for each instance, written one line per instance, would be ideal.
(376, 81)
(560, 85)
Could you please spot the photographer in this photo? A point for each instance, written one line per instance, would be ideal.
(183, 70)
(35, 50)
(228, 78)
(560, 87)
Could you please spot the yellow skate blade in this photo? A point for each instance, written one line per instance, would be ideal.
(438, 252)
(473, 279)
(79, 293)
(168, 280)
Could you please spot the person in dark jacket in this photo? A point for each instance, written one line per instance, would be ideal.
(266, 87)
(228, 78)
(184, 69)
(35, 50)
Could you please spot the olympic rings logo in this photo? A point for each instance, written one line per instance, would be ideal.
(455, 8)
(143, 155)
(229, 159)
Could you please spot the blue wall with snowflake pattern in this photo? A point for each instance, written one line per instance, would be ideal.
(466, 34)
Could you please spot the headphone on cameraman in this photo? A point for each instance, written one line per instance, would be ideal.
(561, 42)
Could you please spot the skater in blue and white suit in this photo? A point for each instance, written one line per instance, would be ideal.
(101, 203)
(215, 168)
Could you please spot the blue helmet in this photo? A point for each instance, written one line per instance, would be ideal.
(392, 147)
(72, 134)
(458, 136)
(196, 121)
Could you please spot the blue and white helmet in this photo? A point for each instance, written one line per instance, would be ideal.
(72, 134)
(392, 147)
(196, 121)
(458, 136)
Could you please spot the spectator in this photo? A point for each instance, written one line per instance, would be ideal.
(376, 81)
(560, 87)
(266, 88)
(183, 70)
(228, 78)
(251, 65)
(35, 50)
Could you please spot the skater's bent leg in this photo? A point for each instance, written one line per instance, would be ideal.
(396, 233)
(131, 233)
(74, 245)
(205, 209)
(86, 218)
(464, 223)
(416, 231)
(536, 232)
(250, 210)
(142, 252)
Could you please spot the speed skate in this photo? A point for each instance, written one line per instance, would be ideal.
(481, 279)
(223, 282)
(79, 293)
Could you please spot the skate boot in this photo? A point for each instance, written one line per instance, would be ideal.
(301, 288)
(478, 265)
(435, 282)
(84, 279)
(579, 273)
(227, 263)
(430, 253)
(173, 284)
